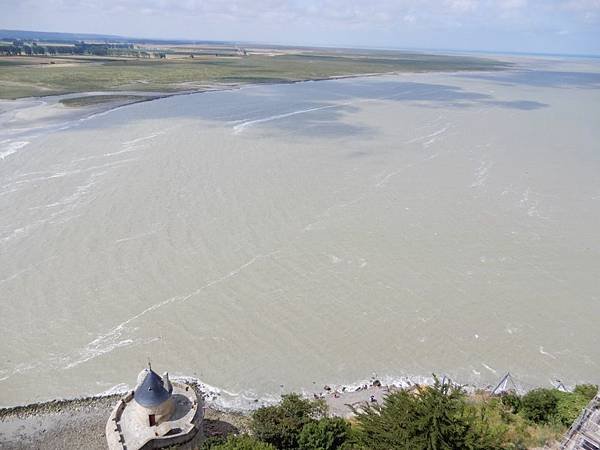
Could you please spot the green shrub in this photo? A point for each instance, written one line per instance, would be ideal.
(436, 418)
(498, 423)
(551, 405)
(212, 441)
(588, 391)
(243, 442)
(489, 425)
(326, 434)
(569, 407)
(540, 405)
(512, 401)
(281, 425)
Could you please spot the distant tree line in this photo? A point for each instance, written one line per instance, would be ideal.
(19, 47)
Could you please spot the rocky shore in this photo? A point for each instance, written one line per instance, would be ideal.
(80, 423)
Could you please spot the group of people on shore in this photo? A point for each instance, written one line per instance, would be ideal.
(337, 393)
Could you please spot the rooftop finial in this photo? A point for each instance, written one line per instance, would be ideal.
(149, 364)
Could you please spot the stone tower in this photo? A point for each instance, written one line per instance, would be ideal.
(153, 400)
(157, 413)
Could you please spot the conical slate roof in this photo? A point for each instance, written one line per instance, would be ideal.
(151, 392)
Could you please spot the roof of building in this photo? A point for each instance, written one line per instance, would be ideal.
(151, 391)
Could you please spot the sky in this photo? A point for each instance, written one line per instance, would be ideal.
(529, 26)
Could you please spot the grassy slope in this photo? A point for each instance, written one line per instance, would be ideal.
(91, 100)
(24, 79)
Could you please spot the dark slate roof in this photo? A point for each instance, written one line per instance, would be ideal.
(151, 392)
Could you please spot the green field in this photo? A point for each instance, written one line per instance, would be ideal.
(34, 76)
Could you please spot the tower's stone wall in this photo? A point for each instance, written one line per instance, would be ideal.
(179, 421)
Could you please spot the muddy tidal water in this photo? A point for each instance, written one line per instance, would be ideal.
(281, 237)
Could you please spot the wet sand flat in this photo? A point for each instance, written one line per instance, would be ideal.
(277, 238)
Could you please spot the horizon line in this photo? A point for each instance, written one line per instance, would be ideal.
(307, 45)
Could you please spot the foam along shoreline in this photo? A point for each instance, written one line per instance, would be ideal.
(337, 396)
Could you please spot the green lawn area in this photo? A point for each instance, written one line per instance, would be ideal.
(19, 80)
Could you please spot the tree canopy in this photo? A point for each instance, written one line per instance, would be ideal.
(436, 418)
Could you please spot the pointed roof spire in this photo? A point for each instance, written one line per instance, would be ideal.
(151, 391)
